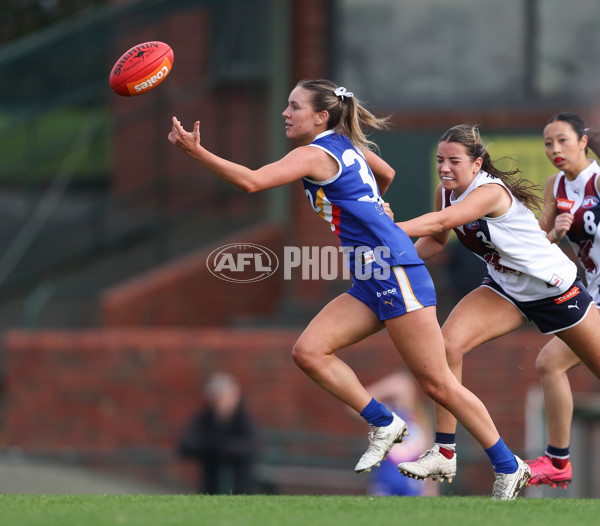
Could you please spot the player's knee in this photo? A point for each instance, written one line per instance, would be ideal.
(545, 363)
(304, 357)
(435, 389)
(454, 350)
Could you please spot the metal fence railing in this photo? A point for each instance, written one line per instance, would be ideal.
(56, 149)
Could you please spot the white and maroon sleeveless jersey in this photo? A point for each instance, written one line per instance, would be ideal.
(580, 198)
(518, 255)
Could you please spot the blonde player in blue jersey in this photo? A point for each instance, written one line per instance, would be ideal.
(528, 277)
(344, 180)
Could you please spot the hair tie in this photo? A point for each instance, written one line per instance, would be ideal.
(341, 92)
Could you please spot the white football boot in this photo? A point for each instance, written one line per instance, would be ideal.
(507, 486)
(431, 464)
(381, 441)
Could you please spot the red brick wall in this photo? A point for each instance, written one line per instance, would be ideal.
(108, 390)
(117, 388)
(185, 293)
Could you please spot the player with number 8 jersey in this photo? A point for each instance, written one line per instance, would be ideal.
(579, 197)
(571, 210)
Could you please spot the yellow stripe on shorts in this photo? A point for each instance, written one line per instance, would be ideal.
(410, 300)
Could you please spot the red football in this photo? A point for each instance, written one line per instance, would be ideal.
(142, 68)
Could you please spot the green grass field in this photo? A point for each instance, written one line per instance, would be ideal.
(259, 510)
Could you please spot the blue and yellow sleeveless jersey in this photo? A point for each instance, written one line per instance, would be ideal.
(350, 201)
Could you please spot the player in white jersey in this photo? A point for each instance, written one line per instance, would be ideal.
(529, 278)
(344, 181)
(519, 258)
(571, 210)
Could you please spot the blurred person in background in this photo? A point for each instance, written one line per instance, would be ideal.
(572, 211)
(528, 277)
(392, 289)
(222, 439)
